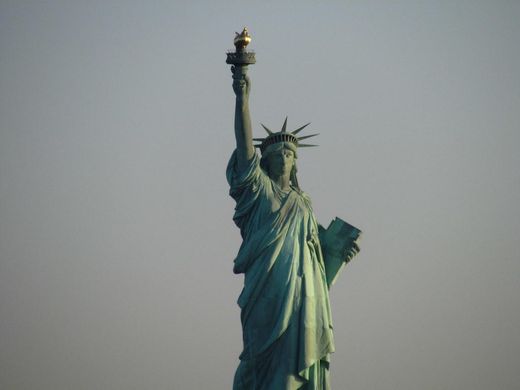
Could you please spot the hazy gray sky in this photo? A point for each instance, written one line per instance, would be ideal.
(116, 237)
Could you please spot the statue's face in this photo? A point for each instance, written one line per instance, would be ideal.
(280, 162)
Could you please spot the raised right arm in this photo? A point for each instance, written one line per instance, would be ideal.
(243, 130)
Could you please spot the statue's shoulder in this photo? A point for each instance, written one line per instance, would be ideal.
(303, 195)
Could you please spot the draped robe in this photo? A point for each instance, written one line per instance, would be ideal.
(285, 310)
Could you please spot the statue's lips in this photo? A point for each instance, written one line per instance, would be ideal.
(282, 168)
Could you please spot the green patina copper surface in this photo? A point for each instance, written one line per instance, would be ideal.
(288, 260)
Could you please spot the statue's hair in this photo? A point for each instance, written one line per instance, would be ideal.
(294, 178)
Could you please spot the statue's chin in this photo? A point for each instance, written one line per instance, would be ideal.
(279, 172)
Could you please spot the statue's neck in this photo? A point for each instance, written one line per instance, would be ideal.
(283, 181)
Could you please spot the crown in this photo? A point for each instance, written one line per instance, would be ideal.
(283, 136)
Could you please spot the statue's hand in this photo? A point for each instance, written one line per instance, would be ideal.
(353, 251)
(241, 82)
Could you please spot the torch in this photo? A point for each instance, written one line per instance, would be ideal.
(241, 58)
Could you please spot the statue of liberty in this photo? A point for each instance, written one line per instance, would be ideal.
(288, 260)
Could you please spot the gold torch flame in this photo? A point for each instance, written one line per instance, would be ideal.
(242, 40)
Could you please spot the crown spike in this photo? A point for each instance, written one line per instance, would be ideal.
(300, 129)
(284, 127)
(282, 136)
(307, 136)
(266, 129)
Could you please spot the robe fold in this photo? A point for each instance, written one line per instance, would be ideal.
(285, 310)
